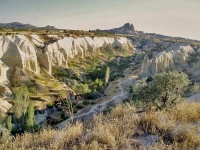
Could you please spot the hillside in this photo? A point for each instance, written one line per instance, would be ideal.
(70, 76)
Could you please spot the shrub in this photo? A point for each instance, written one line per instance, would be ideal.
(81, 88)
(55, 85)
(50, 104)
(30, 84)
(32, 90)
(39, 78)
(71, 82)
(165, 89)
(107, 74)
(86, 102)
(116, 75)
(99, 72)
(46, 82)
(94, 95)
(62, 94)
(59, 73)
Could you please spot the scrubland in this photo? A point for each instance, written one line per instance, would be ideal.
(122, 127)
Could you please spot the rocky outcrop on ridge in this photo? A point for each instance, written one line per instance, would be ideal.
(127, 28)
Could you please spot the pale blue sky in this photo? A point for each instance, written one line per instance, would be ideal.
(169, 17)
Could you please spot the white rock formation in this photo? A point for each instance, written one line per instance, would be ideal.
(36, 40)
(16, 50)
(22, 51)
(174, 57)
(59, 52)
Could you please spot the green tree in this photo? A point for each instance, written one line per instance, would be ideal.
(30, 118)
(93, 66)
(98, 83)
(107, 75)
(165, 89)
(9, 123)
(131, 92)
(81, 88)
(21, 105)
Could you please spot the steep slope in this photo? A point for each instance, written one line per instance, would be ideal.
(33, 52)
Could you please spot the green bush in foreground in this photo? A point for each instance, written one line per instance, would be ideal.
(165, 89)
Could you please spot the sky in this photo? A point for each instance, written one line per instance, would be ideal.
(169, 17)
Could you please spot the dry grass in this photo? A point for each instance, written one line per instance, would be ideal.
(46, 139)
(178, 128)
(186, 135)
(187, 112)
(148, 122)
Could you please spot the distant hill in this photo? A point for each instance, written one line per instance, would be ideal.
(25, 26)
(17, 25)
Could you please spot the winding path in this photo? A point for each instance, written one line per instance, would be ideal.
(123, 94)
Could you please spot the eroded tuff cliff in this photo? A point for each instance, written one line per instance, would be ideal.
(23, 51)
(173, 56)
(33, 52)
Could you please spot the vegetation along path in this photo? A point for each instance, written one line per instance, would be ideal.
(123, 86)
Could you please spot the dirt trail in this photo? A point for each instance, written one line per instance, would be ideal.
(117, 98)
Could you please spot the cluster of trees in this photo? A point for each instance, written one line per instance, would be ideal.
(95, 81)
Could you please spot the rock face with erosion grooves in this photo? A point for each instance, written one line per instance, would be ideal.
(20, 51)
(32, 52)
(174, 57)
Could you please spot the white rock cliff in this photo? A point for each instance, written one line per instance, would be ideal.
(21, 51)
(31, 52)
(173, 57)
